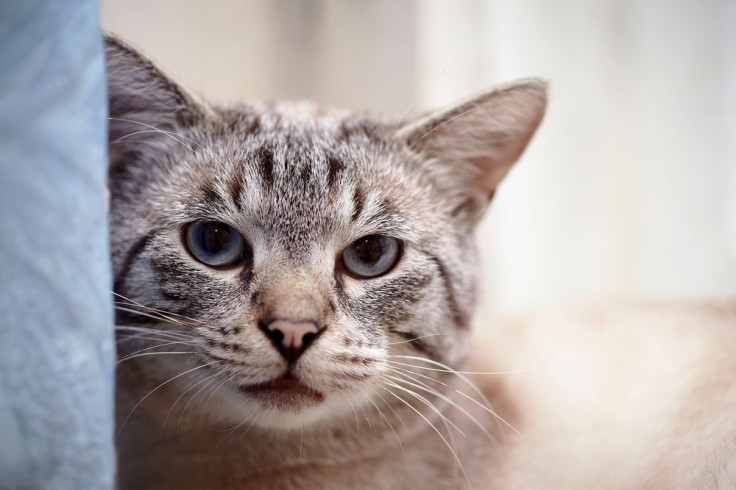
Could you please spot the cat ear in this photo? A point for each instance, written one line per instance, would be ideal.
(480, 138)
(143, 100)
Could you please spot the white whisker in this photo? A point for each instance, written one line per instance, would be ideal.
(156, 388)
(454, 453)
(154, 354)
(429, 404)
(150, 333)
(391, 427)
(447, 369)
(165, 314)
(161, 318)
(209, 395)
(460, 375)
(164, 344)
(173, 136)
(357, 422)
(424, 387)
(416, 338)
(212, 380)
(232, 431)
(163, 426)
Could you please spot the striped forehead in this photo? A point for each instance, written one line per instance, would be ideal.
(298, 184)
(295, 189)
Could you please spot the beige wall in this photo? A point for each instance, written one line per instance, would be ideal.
(629, 188)
(356, 54)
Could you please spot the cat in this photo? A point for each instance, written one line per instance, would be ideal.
(295, 288)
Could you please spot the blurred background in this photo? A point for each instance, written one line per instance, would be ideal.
(629, 188)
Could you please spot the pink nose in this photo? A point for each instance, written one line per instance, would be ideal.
(291, 339)
(293, 332)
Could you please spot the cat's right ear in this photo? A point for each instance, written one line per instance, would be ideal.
(143, 101)
(472, 145)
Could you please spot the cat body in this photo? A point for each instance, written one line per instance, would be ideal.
(296, 290)
(621, 395)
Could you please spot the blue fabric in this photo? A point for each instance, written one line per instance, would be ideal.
(56, 336)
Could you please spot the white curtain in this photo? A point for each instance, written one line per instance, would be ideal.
(629, 189)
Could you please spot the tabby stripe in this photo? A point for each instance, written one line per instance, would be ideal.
(133, 253)
(224, 360)
(358, 203)
(353, 128)
(266, 166)
(334, 167)
(305, 176)
(402, 293)
(458, 318)
(236, 187)
(253, 126)
(211, 197)
(340, 289)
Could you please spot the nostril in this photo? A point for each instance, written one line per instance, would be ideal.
(308, 339)
(277, 336)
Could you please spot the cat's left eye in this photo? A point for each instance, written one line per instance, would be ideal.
(215, 244)
(371, 256)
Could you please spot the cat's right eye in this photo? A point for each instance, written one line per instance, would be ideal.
(215, 244)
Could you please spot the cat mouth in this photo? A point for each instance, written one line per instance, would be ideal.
(284, 392)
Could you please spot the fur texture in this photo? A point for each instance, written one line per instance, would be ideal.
(385, 405)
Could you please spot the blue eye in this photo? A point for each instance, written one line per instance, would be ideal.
(371, 256)
(214, 244)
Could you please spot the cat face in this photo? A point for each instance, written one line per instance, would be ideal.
(300, 250)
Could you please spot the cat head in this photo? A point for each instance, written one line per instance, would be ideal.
(301, 251)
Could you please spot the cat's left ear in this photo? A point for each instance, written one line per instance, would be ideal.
(480, 138)
(144, 102)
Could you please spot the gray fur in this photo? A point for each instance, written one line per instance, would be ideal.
(300, 183)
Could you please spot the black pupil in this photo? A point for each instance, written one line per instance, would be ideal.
(369, 250)
(215, 238)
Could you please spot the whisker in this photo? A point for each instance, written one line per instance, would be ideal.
(416, 338)
(460, 374)
(160, 318)
(401, 421)
(232, 431)
(134, 133)
(364, 414)
(416, 99)
(487, 408)
(391, 427)
(210, 393)
(357, 422)
(156, 388)
(429, 404)
(166, 419)
(452, 450)
(258, 416)
(211, 381)
(178, 342)
(447, 121)
(450, 370)
(173, 136)
(150, 332)
(153, 354)
(301, 441)
(402, 378)
(129, 301)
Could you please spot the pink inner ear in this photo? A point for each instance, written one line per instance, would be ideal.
(492, 172)
(483, 135)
